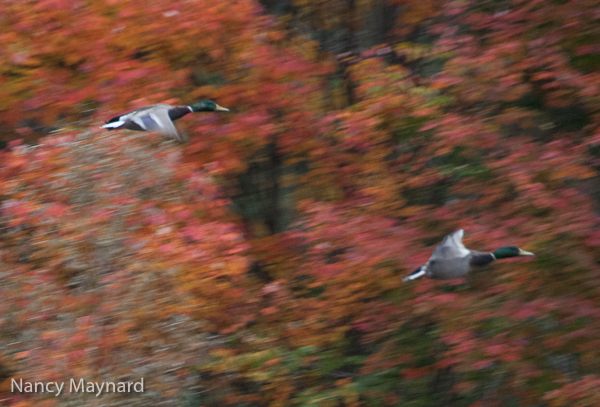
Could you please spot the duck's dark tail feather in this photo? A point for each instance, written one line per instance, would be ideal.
(420, 272)
(112, 125)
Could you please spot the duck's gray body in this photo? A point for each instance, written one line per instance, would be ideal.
(157, 117)
(451, 259)
(160, 117)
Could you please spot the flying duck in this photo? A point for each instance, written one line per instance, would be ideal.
(160, 118)
(451, 259)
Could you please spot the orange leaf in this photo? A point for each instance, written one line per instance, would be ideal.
(22, 355)
(269, 310)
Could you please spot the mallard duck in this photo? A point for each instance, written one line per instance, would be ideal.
(451, 259)
(160, 117)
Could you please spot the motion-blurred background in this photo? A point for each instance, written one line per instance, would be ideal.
(260, 264)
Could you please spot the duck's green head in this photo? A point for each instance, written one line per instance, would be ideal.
(208, 106)
(510, 251)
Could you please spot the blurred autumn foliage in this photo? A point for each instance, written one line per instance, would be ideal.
(261, 264)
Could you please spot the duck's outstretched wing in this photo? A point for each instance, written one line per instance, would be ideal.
(451, 247)
(156, 118)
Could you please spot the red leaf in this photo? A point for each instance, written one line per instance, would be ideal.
(495, 350)
(444, 363)
(482, 364)
(411, 373)
(268, 311)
